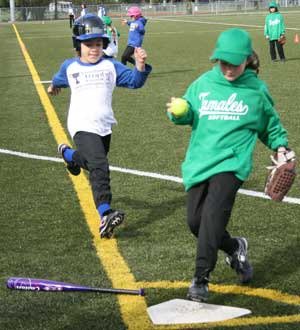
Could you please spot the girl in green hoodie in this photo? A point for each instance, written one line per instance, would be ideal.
(229, 108)
(275, 31)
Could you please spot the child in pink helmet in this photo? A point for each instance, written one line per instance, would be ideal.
(136, 33)
(134, 11)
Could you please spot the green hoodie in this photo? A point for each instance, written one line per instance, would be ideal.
(274, 26)
(226, 119)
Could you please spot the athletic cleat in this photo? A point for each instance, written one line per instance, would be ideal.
(198, 291)
(239, 261)
(109, 221)
(72, 167)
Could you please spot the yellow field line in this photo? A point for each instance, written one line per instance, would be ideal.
(243, 321)
(269, 294)
(133, 308)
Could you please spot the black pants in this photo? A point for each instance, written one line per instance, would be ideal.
(91, 155)
(279, 47)
(127, 55)
(209, 208)
(71, 20)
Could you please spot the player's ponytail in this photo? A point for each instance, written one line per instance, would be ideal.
(253, 62)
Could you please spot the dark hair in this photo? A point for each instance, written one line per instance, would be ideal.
(276, 9)
(253, 62)
(105, 42)
(77, 44)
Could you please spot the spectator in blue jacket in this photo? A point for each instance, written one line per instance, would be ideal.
(135, 35)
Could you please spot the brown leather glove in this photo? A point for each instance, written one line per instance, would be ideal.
(281, 175)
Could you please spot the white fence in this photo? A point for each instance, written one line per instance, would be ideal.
(161, 9)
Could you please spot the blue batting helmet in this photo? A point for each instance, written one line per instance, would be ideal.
(89, 26)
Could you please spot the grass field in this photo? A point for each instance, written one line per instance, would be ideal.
(49, 228)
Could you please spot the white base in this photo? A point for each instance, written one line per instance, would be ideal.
(180, 311)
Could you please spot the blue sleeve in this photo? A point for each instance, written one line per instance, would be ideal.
(141, 28)
(60, 79)
(130, 78)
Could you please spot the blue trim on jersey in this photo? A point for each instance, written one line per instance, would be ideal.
(60, 79)
(88, 64)
(126, 77)
(130, 78)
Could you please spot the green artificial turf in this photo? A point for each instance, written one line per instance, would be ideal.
(43, 230)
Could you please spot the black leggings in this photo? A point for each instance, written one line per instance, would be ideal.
(279, 47)
(71, 20)
(209, 208)
(127, 55)
(91, 155)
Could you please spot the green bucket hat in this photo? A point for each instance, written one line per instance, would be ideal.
(106, 20)
(273, 4)
(233, 46)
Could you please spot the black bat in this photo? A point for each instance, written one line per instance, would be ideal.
(35, 284)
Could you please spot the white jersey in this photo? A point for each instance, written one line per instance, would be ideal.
(101, 12)
(113, 47)
(92, 87)
(91, 90)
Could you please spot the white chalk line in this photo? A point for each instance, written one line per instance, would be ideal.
(252, 193)
(218, 23)
(43, 82)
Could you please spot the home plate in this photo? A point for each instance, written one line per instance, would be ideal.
(180, 311)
